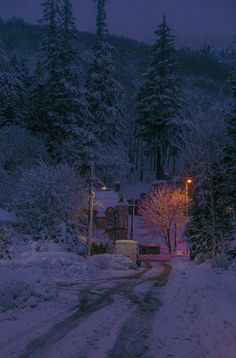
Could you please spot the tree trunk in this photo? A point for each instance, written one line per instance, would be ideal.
(168, 241)
(174, 164)
(159, 168)
(141, 166)
(213, 215)
(175, 237)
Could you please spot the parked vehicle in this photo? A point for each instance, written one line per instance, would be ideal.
(127, 248)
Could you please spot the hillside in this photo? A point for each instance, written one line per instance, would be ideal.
(204, 74)
(131, 57)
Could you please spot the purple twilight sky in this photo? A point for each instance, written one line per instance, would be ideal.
(138, 18)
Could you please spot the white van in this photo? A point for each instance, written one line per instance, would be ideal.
(127, 248)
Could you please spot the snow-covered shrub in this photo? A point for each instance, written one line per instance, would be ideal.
(200, 258)
(233, 265)
(103, 241)
(7, 236)
(6, 187)
(51, 200)
(19, 148)
(221, 262)
(63, 265)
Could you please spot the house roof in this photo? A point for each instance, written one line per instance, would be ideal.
(135, 190)
(107, 199)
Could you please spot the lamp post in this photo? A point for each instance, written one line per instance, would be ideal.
(187, 184)
(132, 220)
(91, 207)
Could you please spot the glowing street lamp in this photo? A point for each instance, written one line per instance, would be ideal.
(187, 184)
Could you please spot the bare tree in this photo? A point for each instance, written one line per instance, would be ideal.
(164, 211)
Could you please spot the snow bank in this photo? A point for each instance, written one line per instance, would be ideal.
(51, 259)
(113, 262)
(30, 277)
(22, 288)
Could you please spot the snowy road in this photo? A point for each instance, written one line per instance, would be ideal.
(114, 319)
(150, 313)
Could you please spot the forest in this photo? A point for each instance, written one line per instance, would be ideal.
(139, 112)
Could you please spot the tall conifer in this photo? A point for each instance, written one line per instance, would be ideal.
(103, 91)
(158, 122)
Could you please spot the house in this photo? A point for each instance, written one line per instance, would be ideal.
(111, 212)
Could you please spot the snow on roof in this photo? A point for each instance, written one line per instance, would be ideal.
(106, 199)
(134, 190)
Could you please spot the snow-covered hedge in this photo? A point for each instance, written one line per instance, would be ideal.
(113, 262)
(51, 201)
(30, 278)
(60, 265)
(7, 186)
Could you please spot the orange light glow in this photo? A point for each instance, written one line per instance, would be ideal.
(189, 181)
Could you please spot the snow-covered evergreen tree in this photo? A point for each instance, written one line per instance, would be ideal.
(58, 108)
(103, 91)
(209, 230)
(50, 43)
(48, 75)
(13, 90)
(230, 152)
(72, 103)
(159, 122)
(37, 114)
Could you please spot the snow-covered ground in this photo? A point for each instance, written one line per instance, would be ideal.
(198, 315)
(68, 306)
(30, 301)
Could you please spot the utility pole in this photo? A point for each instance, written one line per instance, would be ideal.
(187, 183)
(91, 207)
(132, 220)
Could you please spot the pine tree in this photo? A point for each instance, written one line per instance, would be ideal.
(22, 82)
(58, 109)
(37, 115)
(209, 230)
(158, 104)
(230, 152)
(13, 90)
(50, 43)
(103, 92)
(72, 96)
(50, 78)
(72, 104)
